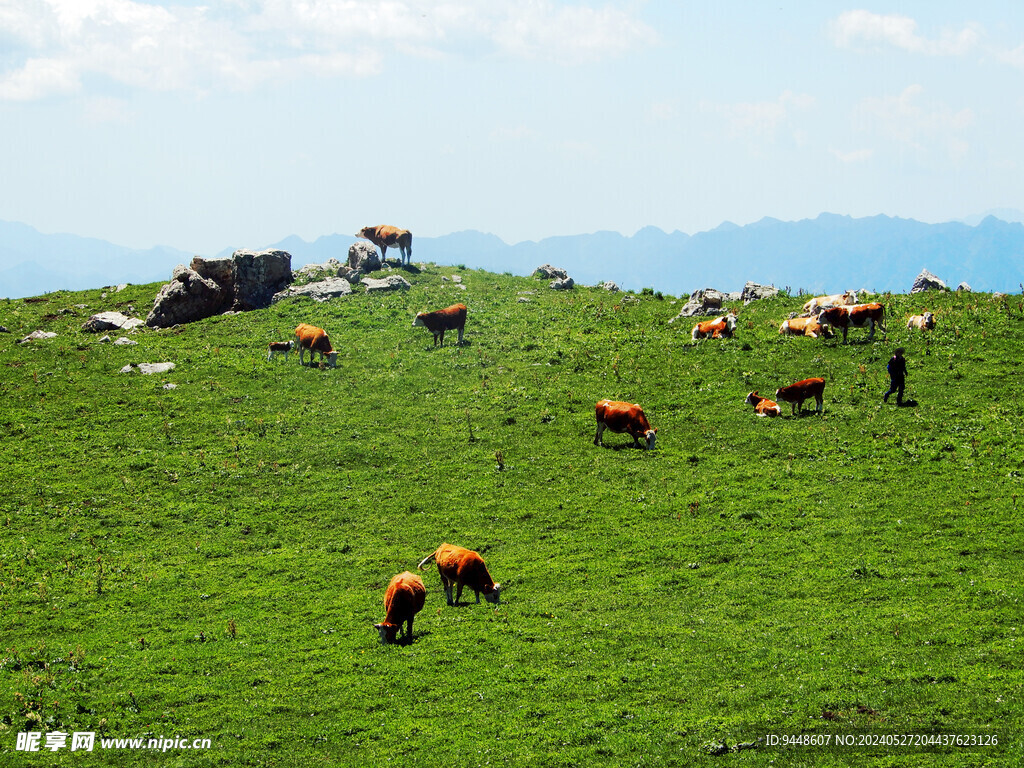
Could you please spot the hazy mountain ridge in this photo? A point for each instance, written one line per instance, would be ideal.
(828, 253)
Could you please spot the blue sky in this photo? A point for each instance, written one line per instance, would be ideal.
(235, 124)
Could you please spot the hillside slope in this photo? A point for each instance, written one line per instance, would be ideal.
(207, 561)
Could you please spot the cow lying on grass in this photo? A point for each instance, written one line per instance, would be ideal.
(463, 567)
(447, 319)
(385, 236)
(626, 418)
(315, 340)
(836, 299)
(795, 394)
(805, 326)
(403, 599)
(719, 328)
(925, 322)
(762, 405)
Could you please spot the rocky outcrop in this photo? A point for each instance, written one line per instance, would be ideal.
(320, 291)
(364, 257)
(964, 287)
(187, 298)
(753, 292)
(562, 284)
(248, 280)
(926, 281)
(609, 286)
(548, 272)
(110, 321)
(37, 335)
(389, 283)
(703, 303)
(258, 276)
(148, 368)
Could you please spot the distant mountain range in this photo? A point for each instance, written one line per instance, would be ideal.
(827, 254)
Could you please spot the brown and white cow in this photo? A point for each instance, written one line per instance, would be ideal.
(315, 340)
(762, 405)
(857, 316)
(835, 299)
(441, 320)
(626, 418)
(805, 326)
(403, 599)
(925, 322)
(463, 567)
(719, 328)
(280, 348)
(385, 236)
(795, 394)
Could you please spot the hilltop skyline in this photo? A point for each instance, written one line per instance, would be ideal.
(199, 126)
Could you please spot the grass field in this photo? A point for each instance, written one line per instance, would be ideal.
(207, 561)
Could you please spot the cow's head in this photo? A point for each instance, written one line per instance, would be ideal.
(494, 596)
(929, 320)
(388, 632)
(831, 315)
(365, 232)
(649, 436)
(730, 323)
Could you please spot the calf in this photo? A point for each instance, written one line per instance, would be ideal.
(384, 236)
(441, 320)
(762, 405)
(721, 327)
(280, 348)
(403, 599)
(805, 326)
(463, 567)
(623, 417)
(925, 322)
(795, 394)
(857, 316)
(315, 340)
(836, 299)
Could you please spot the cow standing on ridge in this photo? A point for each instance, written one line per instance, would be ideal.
(384, 236)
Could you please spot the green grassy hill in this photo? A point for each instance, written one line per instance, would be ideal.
(207, 561)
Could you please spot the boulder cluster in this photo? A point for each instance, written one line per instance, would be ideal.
(248, 280)
(708, 302)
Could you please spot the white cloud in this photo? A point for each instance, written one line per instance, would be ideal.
(852, 157)
(910, 121)
(866, 30)
(762, 120)
(59, 44)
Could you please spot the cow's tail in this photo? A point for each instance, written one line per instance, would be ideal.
(426, 559)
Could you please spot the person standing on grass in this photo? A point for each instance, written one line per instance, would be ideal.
(897, 368)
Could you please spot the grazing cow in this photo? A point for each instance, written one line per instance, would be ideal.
(384, 236)
(805, 326)
(463, 568)
(857, 316)
(315, 340)
(925, 322)
(720, 327)
(795, 394)
(404, 598)
(762, 405)
(280, 348)
(441, 320)
(624, 417)
(836, 299)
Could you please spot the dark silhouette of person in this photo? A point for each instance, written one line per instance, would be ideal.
(897, 368)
